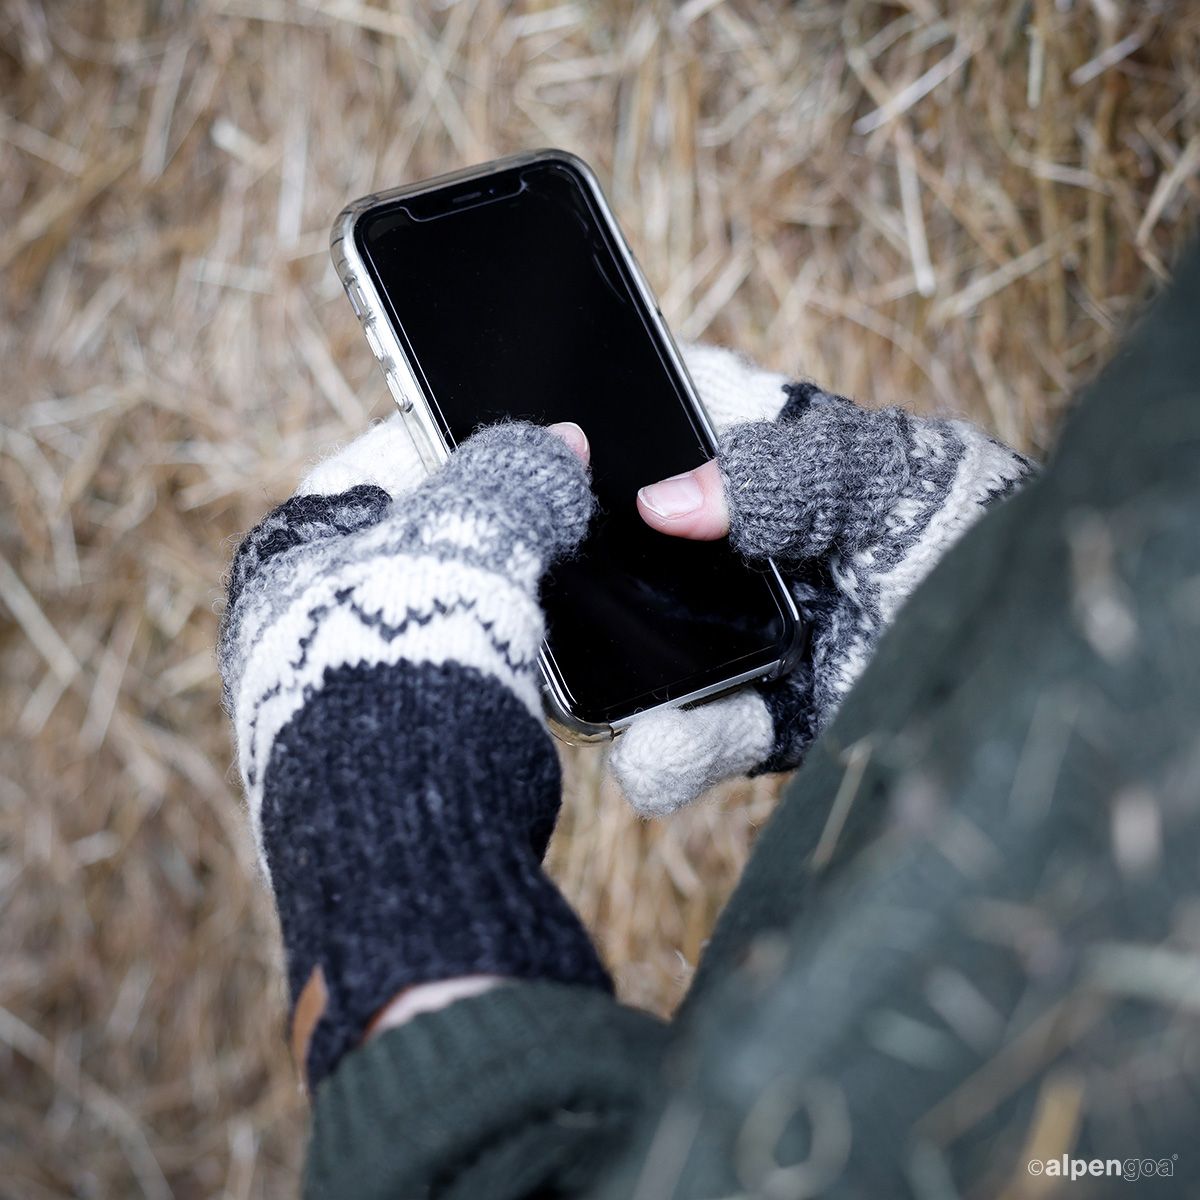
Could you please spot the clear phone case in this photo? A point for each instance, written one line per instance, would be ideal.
(427, 437)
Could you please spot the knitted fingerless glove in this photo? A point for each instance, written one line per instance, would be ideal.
(856, 505)
(379, 657)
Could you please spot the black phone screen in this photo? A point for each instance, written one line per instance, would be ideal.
(512, 301)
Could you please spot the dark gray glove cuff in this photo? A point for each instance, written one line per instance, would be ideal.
(405, 815)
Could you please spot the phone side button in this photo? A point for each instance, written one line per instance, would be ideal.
(403, 400)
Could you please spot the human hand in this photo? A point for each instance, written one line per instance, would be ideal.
(856, 506)
(379, 654)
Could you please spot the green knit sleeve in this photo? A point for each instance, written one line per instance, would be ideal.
(530, 1089)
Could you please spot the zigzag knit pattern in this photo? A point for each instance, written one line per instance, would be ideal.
(380, 664)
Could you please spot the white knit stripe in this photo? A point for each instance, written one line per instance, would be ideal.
(928, 439)
(484, 537)
(462, 531)
(908, 511)
(983, 467)
(845, 577)
(523, 567)
(419, 584)
(928, 454)
(344, 560)
(840, 675)
(871, 594)
(395, 591)
(732, 389)
(385, 456)
(292, 573)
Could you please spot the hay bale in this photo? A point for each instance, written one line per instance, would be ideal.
(950, 211)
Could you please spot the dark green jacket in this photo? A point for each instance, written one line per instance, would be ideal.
(968, 939)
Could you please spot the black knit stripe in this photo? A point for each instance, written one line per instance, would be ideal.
(1006, 489)
(300, 521)
(802, 394)
(412, 793)
(793, 712)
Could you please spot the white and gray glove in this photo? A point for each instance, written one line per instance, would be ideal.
(856, 505)
(379, 654)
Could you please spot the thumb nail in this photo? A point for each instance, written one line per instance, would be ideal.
(674, 497)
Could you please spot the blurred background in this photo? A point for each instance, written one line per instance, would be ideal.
(949, 206)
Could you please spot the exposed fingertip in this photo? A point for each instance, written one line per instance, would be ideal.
(575, 438)
(691, 505)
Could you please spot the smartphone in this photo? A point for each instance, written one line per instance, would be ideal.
(507, 291)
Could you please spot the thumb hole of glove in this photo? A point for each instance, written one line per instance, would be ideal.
(691, 505)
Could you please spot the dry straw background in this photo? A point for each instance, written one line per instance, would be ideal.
(945, 205)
